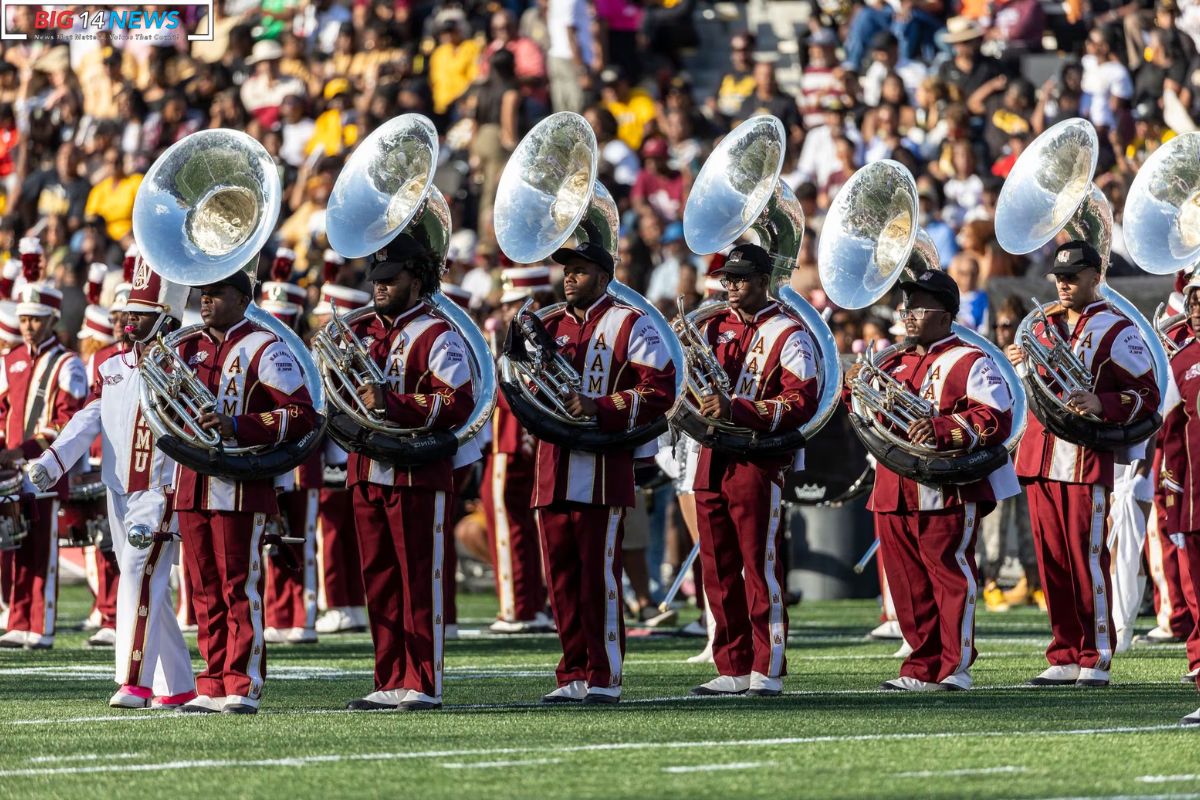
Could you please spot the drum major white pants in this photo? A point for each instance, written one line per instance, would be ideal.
(1127, 536)
(150, 649)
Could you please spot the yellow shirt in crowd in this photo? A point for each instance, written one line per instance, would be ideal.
(451, 71)
(114, 203)
(632, 116)
(332, 134)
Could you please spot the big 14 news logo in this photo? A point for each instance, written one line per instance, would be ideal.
(105, 19)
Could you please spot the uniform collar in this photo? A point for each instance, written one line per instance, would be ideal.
(594, 310)
(766, 311)
(404, 317)
(236, 331)
(47, 344)
(941, 344)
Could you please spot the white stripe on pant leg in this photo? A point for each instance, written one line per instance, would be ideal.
(439, 516)
(1096, 541)
(254, 664)
(309, 591)
(322, 600)
(1154, 555)
(968, 619)
(504, 567)
(50, 589)
(612, 589)
(775, 596)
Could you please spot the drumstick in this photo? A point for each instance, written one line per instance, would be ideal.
(866, 559)
(684, 569)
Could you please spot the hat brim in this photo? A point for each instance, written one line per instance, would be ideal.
(138, 307)
(36, 310)
(565, 255)
(952, 299)
(969, 35)
(1071, 269)
(738, 268)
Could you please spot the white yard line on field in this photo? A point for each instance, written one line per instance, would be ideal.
(300, 761)
(681, 770)
(496, 764)
(957, 773)
(84, 757)
(1168, 778)
(1128, 797)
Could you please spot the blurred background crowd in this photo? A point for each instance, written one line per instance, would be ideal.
(954, 90)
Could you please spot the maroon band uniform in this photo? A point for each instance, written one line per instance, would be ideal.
(580, 497)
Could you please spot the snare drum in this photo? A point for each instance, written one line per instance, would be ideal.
(83, 518)
(14, 519)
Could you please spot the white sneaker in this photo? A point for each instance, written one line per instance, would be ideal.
(906, 684)
(722, 685)
(339, 620)
(1124, 640)
(602, 695)
(92, 623)
(762, 686)
(1061, 675)
(416, 701)
(301, 636)
(203, 704)
(37, 641)
(959, 681)
(450, 633)
(388, 700)
(705, 656)
(1092, 677)
(887, 630)
(14, 639)
(126, 699)
(573, 692)
(905, 650)
(188, 628)
(1190, 677)
(274, 636)
(694, 628)
(1157, 635)
(1192, 718)
(3, 618)
(508, 626)
(105, 637)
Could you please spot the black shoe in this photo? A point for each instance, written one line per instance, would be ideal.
(368, 705)
(418, 705)
(239, 708)
(1050, 682)
(188, 708)
(764, 692)
(1092, 683)
(595, 699)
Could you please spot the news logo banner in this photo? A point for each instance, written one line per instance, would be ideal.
(63, 17)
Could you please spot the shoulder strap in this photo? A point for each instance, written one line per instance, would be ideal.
(34, 411)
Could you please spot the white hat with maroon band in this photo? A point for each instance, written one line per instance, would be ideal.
(282, 292)
(10, 326)
(523, 282)
(97, 324)
(347, 299)
(151, 292)
(121, 296)
(458, 294)
(39, 300)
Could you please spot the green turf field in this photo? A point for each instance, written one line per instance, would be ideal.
(831, 735)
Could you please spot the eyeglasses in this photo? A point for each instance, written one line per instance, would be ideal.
(729, 283)
(917, 313)
(1005, 323)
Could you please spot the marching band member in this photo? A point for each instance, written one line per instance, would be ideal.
(1181, 436)
(927, 534)
(400, 514)
(42, 385)
(101, 336)
(153, 667)
(580, 497)
(768, 356)
(261, 399)
(1068, 485)
(339, 586)
(508, 477)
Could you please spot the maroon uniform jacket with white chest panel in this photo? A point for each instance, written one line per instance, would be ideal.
(973, 407)
(257, 381)
(1112, 349)
(627, 371)
(39, 392)
(429, 386)
(771, 365)
(1180, 442)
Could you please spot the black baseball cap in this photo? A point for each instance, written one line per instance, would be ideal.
(239, 280)
(395, 256)
(588, 251)
(1074, 257)
(746, 259)
(936, 283)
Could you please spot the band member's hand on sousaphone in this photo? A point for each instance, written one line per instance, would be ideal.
(580, 406)
(213, 421)
(714, 406)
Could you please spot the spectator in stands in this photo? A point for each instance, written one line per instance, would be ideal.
(1059, 98)
(930, 202)
(56, 191)
(572, 55)
(819, 155)
(768, 98)
(872, 18)
(264, 90)
(821, 78)
(662, 287)
(633, 108)
(529, 60)
(1107, 86)
(969, 69)
(337, 128)
(112, 198)
(1165, 69)
(619, 164)
(622, 22)
(885, 60)
(453, 63)
(1018, 26)
(973, 303)
(1008, 114)
(738, 84)
(659, 190)
(166, 127)
(497, 108)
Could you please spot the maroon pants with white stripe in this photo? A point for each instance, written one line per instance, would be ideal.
(743, 574)
(341, 576)
(1191, 557)
(33, 592)
(401, 538)
(931, 571)
(581, 547)
(107, 575)
(223, 550)
(1172, 605)
(291, 595)
(1070, 532)
(512, 536)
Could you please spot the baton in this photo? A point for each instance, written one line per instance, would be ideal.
(684, 569)
(866, 559)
